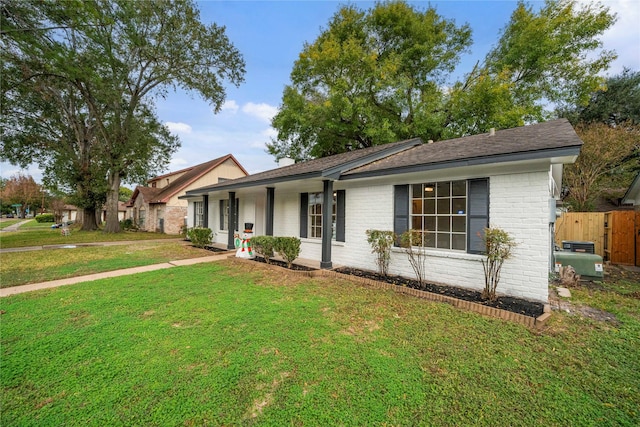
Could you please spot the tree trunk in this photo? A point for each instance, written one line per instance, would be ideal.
(113, 222)
(89, 219)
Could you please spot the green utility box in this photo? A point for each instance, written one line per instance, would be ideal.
(586, 265)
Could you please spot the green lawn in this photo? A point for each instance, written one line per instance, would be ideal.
(234, 344)
(19, 268)
(37, 235)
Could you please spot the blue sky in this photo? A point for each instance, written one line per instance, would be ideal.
(271, 34)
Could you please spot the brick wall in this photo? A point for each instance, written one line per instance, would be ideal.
(518, 204)
(174, 218)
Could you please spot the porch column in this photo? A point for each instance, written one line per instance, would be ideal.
(327, 211)
(270, 210)
(232, 219)
(205, 211)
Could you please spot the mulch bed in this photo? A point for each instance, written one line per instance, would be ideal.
(295, 267)
(514, 305)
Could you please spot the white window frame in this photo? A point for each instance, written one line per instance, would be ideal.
(198, 208)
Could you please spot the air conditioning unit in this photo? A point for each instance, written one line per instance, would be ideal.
(573, 246)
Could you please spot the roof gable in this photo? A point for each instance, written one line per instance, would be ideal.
(189, 175)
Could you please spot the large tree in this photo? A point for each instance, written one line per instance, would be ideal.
(604, 151)
(22, 190)
(118, 56)
(383, 74)
(609, 125)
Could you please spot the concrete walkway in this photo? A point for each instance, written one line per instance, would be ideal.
(15, 226)
(107, 274)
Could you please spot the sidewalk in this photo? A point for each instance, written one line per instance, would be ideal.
(74, 245)
(107, 274)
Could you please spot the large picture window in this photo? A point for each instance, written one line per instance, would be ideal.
(439, 211)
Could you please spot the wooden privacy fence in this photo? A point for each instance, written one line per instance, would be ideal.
(613, 233)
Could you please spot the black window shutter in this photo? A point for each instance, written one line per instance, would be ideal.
(221, 214)
(478, 214)
(304, 207)
(340, 215)
(400, 210)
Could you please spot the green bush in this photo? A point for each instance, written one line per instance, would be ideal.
(45, 217)
(264, 246)
(200, 237)
(128, 224)
(288, 248)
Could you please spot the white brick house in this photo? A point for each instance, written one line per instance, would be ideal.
(450, 190)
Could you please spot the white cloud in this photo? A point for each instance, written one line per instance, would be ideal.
(230, 105)
(177, 163)
(262, 111)
(177, 127)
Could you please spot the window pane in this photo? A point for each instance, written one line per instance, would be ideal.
(429, 206)
(458, 242)
(444, 189)
(430, 223)
(443, 241)
(444, 223)
(429, 190)
(416, 191)
(459, 224)
(459, 188)
(444, 206)
(416, 207)
(430, 240)
(416, 222)
(459, 205)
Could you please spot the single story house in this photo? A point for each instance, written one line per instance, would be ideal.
(449, 190)
(157, 207)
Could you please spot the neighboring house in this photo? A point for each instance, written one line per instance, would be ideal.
(632, 196)
(450, 190)
(157, 206)
(69, 213)
(122, 212)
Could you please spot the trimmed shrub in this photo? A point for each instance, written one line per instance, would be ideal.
(381, 242)
(45, 217)
(288, 248)
(200, 237)
(264, 246)
(499, 247)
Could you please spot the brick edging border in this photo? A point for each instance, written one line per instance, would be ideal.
(530, 322)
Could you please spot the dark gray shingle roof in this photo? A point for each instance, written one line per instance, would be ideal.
(526, 142)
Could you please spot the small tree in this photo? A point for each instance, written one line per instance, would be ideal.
(264, 246)
(288, 247)
(411, 242)
(499, 246)
(381, 242)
